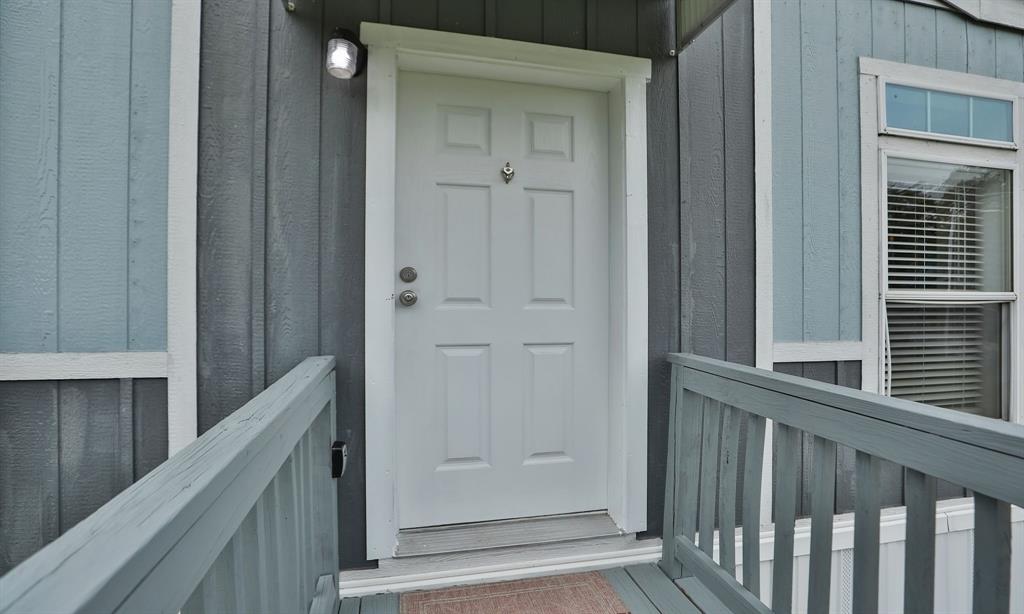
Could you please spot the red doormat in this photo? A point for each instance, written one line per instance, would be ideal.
(582, 593)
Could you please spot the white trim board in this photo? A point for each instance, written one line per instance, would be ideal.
(763, 228)
(458, 538)
(764, 305)
(438, 571)
(182, 173)
(393, 48)
(82, 365)
(818, 351)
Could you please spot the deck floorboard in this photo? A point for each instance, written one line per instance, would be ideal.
(631, 595)
(662, 592)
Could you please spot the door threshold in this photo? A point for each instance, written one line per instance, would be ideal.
(504, 533)
(498, 564)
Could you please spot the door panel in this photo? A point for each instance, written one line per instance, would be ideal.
(502, 363)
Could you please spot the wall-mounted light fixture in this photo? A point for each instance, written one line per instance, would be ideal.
(345, 56)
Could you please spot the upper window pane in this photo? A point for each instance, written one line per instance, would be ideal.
(906, 107)
(914, 108)
(948, 227)
(992, 119)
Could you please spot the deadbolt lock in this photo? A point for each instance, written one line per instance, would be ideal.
(408, 274)
(407, 298)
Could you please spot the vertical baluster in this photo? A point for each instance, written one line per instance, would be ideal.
(194, 603)
(727, 489)
(668, 563)
(823, 494)
(691, 433)
(919, 562)
(309, 546)
(752, 465)
(216, 592)
(294, 527)
(866, 534)
(991, 555)
(266, 533)
(787, 445)
(245, 546)
(709, 473)
(286, 573)
(302, 541)
(325, 539)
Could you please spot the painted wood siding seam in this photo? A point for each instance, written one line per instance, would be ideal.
(258, 225)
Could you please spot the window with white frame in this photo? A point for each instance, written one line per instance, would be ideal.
(941, 168)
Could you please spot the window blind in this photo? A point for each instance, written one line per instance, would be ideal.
(939, 355)
(946, 232)
(936, 239)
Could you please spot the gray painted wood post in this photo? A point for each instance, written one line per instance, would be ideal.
(991, 555)
(866, 533)
(822, 506)
(919, 566)
(753, 461)
(787, 446)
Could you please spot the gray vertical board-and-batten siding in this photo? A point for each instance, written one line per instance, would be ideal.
(716, 133)
(816, 139)
(66, 448)
(281, 197)
(83, 175)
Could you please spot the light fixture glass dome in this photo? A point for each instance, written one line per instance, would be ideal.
(342, 58)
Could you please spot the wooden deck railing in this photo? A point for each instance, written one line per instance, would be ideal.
(711, 399)
(242, 520)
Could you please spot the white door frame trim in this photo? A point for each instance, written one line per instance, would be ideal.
(182, 173)
(764, 289)
(392, 49)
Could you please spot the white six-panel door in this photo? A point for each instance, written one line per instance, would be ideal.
(502, 363)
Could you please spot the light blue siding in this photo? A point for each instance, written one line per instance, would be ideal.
(29, 109)
(821, 184)
(787, 170)
(950, 41)
(853, 41)
(83, 179)
(816, 139)
(147, 176)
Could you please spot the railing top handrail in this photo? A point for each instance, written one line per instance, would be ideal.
(101, 561)
(995, 435)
